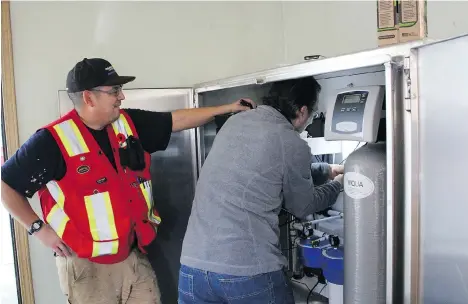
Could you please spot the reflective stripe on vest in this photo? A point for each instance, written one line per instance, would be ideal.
(57, 219)
(71, 138)
(121, 126)
(56, 193)
(101, 217)
(104, 248)
(148, 194)
(102, 224)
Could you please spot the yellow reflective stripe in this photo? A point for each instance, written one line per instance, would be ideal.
(148, 194)
(101, 217)
(57, 219)
(64, 140)
(71, 138)
(57, 193)
(121, 126)
(156, 218)
(126, 125)
(79, 137)
(115, 126)
(103, 248)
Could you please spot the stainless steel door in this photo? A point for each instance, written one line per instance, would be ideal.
(442, 92)
(173, 175)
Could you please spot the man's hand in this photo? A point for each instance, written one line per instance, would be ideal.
(339, 178)
(336, 170)
(238, 107)
(49, 238)
(184, 119)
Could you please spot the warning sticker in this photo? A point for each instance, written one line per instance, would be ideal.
(357, 186)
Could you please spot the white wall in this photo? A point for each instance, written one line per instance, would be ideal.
(178, 44)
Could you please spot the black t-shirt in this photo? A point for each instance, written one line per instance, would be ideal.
(39, 160)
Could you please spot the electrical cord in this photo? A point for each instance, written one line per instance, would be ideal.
(318, 159)
(352, 152)
(347, 158)
(310, 292)
(296, 281)
(322, 289)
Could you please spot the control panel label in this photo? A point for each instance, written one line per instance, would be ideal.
(357, 186)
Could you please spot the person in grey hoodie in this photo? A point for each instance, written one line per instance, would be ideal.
(258, 161)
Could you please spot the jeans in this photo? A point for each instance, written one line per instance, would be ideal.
(198, 286)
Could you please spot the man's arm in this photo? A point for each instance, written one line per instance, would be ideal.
(18, 206)
(322, 172)
(37, 162)
(20, 209)
(301, 197)
(192, 118)
(155, 128)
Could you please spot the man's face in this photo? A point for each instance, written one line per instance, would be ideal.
(106, 103)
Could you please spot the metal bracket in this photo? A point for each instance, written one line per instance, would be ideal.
(407, 84)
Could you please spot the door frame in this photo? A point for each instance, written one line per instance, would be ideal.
(12, 145)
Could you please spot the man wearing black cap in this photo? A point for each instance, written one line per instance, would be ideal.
(91, 171)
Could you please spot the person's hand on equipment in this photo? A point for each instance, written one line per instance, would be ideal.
(336, 170)
(243, 104)
(339, 178)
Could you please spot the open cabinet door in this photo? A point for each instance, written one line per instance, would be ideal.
(440, 113)
(173, 176)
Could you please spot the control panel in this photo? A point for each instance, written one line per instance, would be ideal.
(355, 114)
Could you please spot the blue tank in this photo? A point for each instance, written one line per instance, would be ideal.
(311, 251)
(333, 264)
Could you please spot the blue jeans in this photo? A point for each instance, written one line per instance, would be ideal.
(198, 286)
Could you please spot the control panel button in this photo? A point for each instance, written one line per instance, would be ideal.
(346, 126)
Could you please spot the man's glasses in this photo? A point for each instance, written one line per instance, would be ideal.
(115, 91)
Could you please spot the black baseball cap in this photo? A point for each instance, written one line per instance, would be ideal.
(94, 72)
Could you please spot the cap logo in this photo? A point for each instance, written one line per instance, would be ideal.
(110, 70)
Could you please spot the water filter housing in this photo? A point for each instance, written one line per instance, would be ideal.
(365, 225)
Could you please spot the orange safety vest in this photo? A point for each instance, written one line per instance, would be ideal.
(95, 209)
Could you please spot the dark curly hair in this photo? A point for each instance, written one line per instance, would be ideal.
(288, 96)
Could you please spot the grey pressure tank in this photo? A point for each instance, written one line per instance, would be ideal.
(365, 198)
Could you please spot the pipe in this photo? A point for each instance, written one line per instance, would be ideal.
(325, 219)
(319, 233)
(335, 212)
